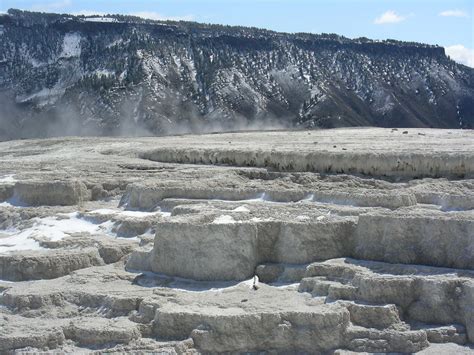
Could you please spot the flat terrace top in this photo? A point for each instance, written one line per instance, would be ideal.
(352, 139)
(332, 140)
(398, 153)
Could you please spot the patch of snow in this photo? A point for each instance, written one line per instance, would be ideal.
(107, 228)
(241, 209)
(155, 66)
(302, 218)
(104, 211)
(320, 218)
(18, 241)
(56, 229)
(260, 197)
(115, 43)
(224, 219)
(35, 63)
(123, 75)
(286, 285)
(218, 286)
(7, 179)
(71, 45)
(187, 285)
(101, 19)
(52, 228)
(104, 72)
(190, 66)
(136, 214)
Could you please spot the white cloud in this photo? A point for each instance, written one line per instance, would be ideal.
(389, 17)
(461, 54)
(157, 16)
(52, 6)
(454, 13)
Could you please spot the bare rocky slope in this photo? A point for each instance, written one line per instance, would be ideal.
(319, 242)
(63, 75)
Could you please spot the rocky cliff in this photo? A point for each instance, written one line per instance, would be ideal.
(64, 74)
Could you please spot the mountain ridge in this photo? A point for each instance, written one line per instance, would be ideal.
(62, 74)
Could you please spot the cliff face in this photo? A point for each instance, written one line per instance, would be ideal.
(61, 74)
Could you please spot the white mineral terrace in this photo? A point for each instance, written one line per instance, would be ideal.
(328, 241)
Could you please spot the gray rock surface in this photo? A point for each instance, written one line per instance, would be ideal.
(104, 249)
(449, 291)
(46, 265)
(40, 193)
(416, 238)
(205, 251)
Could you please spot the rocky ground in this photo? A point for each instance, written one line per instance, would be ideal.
(335, 241)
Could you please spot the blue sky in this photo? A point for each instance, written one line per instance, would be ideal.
(449, 23)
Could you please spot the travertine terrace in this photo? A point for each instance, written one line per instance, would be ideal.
(328, 241)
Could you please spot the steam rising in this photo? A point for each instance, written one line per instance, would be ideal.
(19, 121)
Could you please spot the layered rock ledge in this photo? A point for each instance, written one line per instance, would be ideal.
(322, 242)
